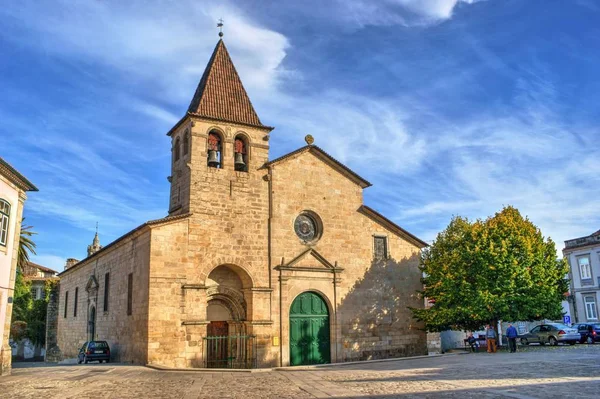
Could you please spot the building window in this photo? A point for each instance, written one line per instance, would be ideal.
(590, 307)
(176, 149)
(75, 302)
(4, 219)
(106, 290)
(129, 293)
(380, 248)
(215, 150)
(240, 154)
(34, 293)
(66, 303)
(186, 143)
(584, 267)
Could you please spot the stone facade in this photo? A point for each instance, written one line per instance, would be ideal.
(13, 188)
(228, 252)
(583, 255)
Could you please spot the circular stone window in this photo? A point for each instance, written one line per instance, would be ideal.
(308, 227)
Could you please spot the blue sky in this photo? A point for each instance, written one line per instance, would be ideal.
(450, 107)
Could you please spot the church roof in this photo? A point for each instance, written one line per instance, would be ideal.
(124, 236)
(31, 266)
(220, 94)
(319, 153)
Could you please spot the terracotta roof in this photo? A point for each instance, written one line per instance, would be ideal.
(15, 176)
(319, 153)
(124, 236)
(40, 267)
(220, 94)
(379, 218)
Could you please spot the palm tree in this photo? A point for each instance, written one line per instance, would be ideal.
(26, 245)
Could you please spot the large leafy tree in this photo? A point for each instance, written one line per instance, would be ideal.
(500, 268)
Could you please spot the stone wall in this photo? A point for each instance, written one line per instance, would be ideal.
(371, 297)
(126, 334)
(258, 264)
(53, 353)
(228, 227)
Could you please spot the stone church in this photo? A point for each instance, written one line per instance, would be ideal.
(260, 262)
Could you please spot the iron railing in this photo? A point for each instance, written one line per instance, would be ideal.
(230, 352)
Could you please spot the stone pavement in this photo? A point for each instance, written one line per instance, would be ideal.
(535, 372)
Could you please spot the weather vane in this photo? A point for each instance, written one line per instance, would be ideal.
(220, 26)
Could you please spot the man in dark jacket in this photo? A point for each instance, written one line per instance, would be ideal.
(511, 334)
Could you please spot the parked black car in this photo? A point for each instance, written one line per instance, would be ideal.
(590, 332)
(94, 350)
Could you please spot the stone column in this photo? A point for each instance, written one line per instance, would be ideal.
(53, 353)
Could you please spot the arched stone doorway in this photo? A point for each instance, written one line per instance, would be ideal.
(226, 312)
(310, 341)
(92, 324)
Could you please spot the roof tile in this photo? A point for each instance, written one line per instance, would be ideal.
(220, 94)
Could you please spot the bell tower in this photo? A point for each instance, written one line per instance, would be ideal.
(219, 146)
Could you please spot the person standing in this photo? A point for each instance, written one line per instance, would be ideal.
(491, 336)
(511, 334)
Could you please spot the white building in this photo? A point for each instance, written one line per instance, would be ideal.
(13, 187)
(583, 255)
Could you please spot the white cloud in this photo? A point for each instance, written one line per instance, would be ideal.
(164, 47)
(400, 12)
(438, 9)
(365, 133)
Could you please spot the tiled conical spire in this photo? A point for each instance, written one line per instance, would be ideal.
(220, 94)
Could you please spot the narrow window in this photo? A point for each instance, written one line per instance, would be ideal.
(4, 219)
(33, 291)
(66, 302)
(75, 302)
(380, 248)
(186, 143)
(129, 293)
(584, 267)
(176, 149)
(214, 150)
(590, 308)
(240, 154)
(106, 290)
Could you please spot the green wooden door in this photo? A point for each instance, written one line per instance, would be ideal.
(309, 330)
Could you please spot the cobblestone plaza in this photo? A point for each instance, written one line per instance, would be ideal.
(534, 372)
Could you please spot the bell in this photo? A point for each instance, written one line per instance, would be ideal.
(213, 159)
(239, 160)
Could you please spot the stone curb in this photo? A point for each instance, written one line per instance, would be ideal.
(293, 368)
(203, 370)
(394, 359)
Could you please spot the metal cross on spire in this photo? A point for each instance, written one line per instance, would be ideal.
(96, 228)
(220, 26)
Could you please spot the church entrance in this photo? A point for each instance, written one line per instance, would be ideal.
(217, 344)
(309, 330)
(92, 324)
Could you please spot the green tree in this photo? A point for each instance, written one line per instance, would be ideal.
(500, 268)
(29, 315)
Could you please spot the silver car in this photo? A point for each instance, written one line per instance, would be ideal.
(552, 334)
